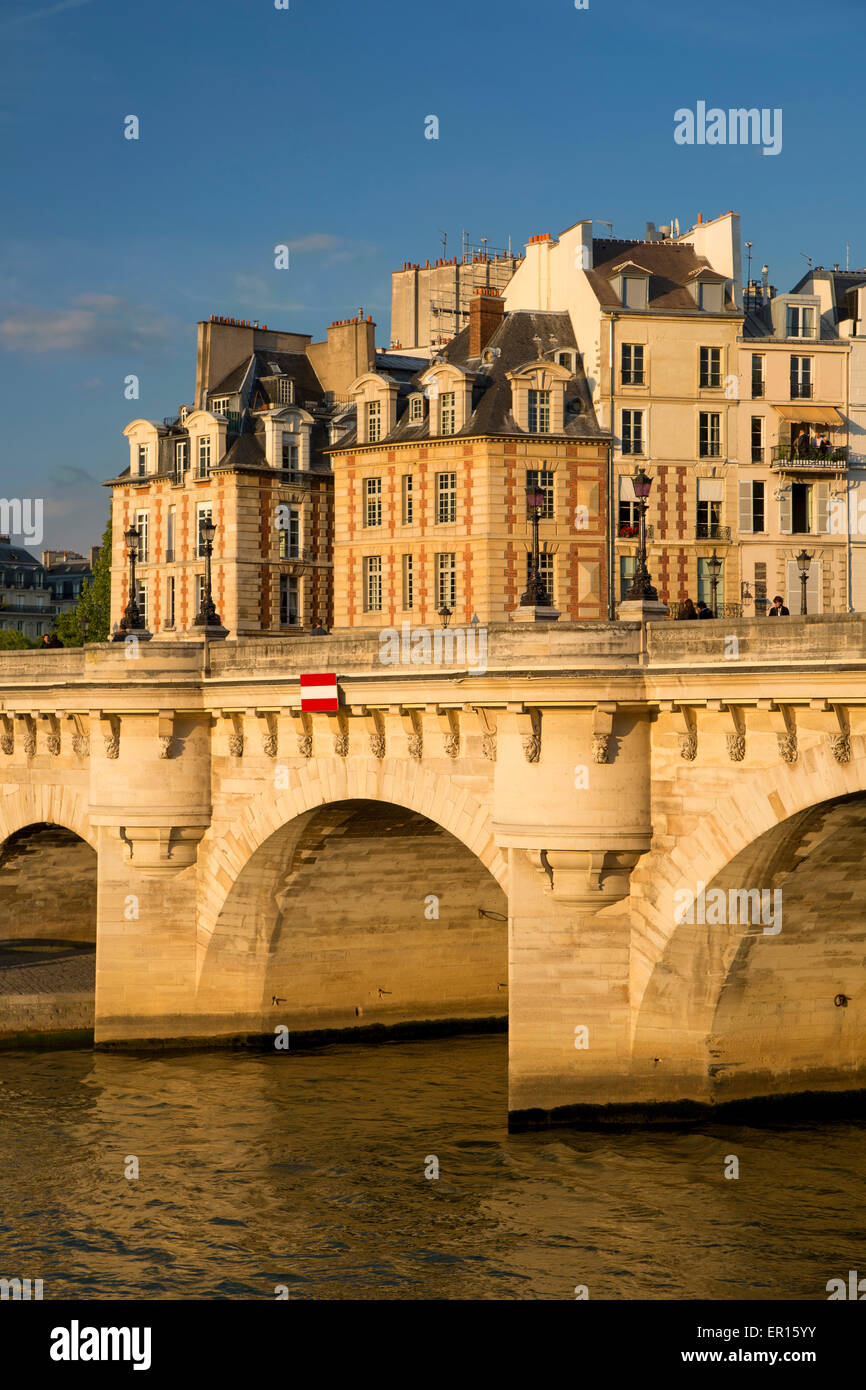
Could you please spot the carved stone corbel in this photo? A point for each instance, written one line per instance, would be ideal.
(338, 725)
(302, 728)
(374, 727)
(7, 735)
(26, 725)
(839, 736)
(687, 731)
(412, 728)
(165, 733)
(235, 732)
(735, 735)
(52, 735)
(80, 735)
(486, 720)
(602, 730)
(109, 728)
(449, 726)
(784, 725)
(529, 727)
(267, 723)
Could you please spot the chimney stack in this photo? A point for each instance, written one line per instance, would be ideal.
(486, 312)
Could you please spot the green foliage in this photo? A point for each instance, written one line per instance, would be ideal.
(94, 604)
(14, 641)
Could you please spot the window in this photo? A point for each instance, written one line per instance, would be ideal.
(801, 321)
(285, 391)
(632, 364)
(539, 412)
(141, 600)
(542, 479)
(204, 457)
(142, 526)
(169, 601)
(627, 564)
(711, 366)
(709, 434)
(408, 583)
(634, 292)
(199, 593)
(142, 460)
(416, 408)
(170, 523)
(545, 569)
(757, 439)
(446, 580)
(289, 537)
(290, 450)
(407, 510)
(632, 431)
(709, 296)
(181, 458)
(372, 583)
(801, 507)
(220, 406)
(447, 413)
(374, 421)
(760, 586)
(705, 588)
(710, 493)
(446, 497)
(372, 501)
(290, 608)
(757, 375)
(801, 377)
(752, 505)
(203, 512)
(566, 359)
(628, 520)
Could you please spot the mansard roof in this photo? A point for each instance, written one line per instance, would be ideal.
(523, 337)
(671, 265)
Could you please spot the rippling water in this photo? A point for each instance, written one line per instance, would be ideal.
(308, 1170)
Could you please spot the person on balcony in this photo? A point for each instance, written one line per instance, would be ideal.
(778, 609)
(800, 447)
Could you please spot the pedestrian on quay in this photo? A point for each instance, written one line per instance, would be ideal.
(778, 610)
(688, 610)
(703, 610)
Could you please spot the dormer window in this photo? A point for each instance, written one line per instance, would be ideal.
(539, 412)
(801, 321)
(289, 450)
(566, 359)
(286, 391)
(447, 412)
(634, 291)
(708, 295)
(416, 408)
(220, 406)
(142, 460)
(374, 421)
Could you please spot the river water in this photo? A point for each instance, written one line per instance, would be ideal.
(308, 1170)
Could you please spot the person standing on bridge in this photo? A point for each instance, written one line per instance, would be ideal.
(688, 610)
(703, 610)
(778, 609)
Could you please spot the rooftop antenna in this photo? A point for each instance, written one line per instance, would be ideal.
(749, 270)
(602, 223)
(847, 255)
(806, 258)
(444, 236)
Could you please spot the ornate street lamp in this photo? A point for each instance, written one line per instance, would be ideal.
(208, 617)
(714, 565)
(804, 560)
(536, 592)
(131, 620)
(640, 587)
(445, 614)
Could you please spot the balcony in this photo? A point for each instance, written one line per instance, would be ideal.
(626, 531)
(712, 531)
(804, 458)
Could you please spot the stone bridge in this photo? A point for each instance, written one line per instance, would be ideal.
(643, 845)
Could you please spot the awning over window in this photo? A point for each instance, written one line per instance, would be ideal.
(814, 414)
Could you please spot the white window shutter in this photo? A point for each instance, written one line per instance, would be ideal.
(785, 511)
(745, 505)
(823, 491)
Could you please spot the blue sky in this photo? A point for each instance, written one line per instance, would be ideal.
(260, 126)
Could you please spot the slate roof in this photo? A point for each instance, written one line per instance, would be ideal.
(491, 395)
(292, 364)
(672, 267)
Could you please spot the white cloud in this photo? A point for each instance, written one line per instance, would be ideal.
(93, 323)
(42, 14)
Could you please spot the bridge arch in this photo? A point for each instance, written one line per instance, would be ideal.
(226, 849)
(35, 803)
(751, 992)
(357, 911)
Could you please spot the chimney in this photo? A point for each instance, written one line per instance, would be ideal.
(486, 312)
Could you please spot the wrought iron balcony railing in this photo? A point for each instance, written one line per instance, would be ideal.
(801, 456)
(712, 531)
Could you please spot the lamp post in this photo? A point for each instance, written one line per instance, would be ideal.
(208, 617)
(536, 594)
(714, 565)
(445, 614)
(131, 620)
(804, 560)
(640, 587)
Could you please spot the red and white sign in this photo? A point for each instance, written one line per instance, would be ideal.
(319, 693)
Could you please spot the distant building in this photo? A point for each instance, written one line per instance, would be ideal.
(26, 602)
(66, 573)
(430, 302)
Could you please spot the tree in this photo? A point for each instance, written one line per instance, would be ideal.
(10, 640)
(94, 604)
